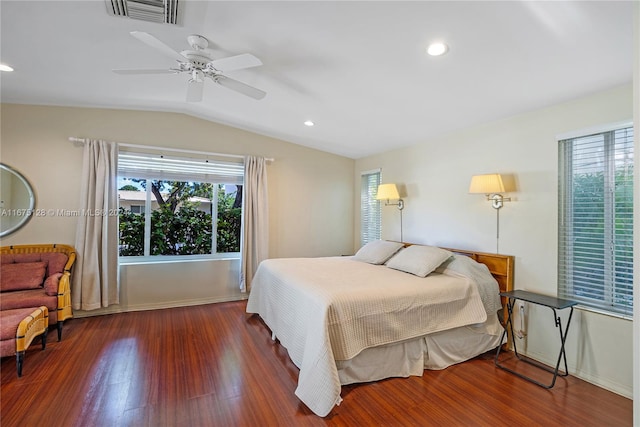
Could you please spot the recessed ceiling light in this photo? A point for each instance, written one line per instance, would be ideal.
(5, 68)
(309, 123)
(437, 49)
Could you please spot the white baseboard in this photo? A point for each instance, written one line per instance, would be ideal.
(158, 306)
(612, 386)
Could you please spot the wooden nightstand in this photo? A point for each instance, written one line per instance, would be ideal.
(554, 304)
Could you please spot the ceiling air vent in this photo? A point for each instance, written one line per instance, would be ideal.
(162, 11)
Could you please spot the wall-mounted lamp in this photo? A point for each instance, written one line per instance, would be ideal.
(389, 192)
(492, 187)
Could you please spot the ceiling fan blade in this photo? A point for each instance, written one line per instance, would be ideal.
(243, 88)
(194, 91)
(158, 45)
(238, 62)
(165, 71)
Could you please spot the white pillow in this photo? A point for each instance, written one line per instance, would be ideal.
(377, 252)
(419, 260)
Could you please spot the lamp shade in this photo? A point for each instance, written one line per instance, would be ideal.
(486, 184)
(387, 192)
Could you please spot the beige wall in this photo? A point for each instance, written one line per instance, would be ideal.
(439, 211)
(310, 192)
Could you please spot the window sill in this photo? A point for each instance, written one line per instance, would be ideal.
(604, 312)
(177, 259)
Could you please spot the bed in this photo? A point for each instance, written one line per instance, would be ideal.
(379, 314)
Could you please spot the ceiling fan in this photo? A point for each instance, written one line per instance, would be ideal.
(199, 64)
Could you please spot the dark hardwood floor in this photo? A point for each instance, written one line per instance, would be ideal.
(213, 365)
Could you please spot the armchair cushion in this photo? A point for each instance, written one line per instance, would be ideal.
(23, 275)
(30, 298)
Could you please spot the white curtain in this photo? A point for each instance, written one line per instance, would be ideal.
(95, 277)
(255, 232)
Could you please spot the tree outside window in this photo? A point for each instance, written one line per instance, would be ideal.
(184, 217)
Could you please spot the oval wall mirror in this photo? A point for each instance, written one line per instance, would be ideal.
(17, 200)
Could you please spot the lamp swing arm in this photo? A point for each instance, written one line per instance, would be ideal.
(400, 203)
(497, 200)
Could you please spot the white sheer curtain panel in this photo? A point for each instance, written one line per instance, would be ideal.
(95, 277)
(255, 232)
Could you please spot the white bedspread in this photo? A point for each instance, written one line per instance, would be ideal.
(328, 309)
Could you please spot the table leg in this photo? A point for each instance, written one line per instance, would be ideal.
(561, 356)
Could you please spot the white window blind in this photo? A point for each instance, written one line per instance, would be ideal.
(370, 211)
(595, 234)
(175, 168)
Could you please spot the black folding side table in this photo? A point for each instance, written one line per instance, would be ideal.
(554, 304)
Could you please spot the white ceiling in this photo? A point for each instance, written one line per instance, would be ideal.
(357, 69)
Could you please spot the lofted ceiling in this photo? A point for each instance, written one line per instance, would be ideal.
(358, 70)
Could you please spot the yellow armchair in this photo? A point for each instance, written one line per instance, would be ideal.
(59, 305)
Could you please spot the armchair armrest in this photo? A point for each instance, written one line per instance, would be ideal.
(64, 290)
(64, 297)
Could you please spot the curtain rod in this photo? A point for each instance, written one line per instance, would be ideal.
(177, 150)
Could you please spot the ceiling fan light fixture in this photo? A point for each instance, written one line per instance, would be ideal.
(4, 67)
(437, 49)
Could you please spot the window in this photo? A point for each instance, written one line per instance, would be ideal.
(370, 213)
(595, 234)
(139, 209)
(177, 206)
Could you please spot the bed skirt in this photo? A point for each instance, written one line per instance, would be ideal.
(410, 358)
